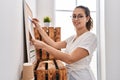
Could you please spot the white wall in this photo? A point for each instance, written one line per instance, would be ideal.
(46, 8)
(11, 43)
(112, 31)
(11, 39)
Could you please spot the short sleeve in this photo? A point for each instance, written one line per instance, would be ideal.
(89, 43)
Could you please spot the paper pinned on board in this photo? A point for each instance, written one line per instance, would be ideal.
(30, 27)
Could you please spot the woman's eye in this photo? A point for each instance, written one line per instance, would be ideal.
(80, 16)
(74, 16)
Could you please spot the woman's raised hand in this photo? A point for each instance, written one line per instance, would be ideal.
(35, 21)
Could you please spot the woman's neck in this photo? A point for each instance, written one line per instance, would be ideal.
(80, 32)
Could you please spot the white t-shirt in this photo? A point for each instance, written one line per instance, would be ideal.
(80, 70)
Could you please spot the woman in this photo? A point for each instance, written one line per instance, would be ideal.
(79, 47)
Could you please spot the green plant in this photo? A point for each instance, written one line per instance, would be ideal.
(47, 19)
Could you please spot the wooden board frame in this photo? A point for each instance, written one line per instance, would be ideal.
(30, 49)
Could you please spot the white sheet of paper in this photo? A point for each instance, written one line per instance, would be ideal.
(30, 27)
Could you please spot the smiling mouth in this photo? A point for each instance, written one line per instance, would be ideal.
(77, 23)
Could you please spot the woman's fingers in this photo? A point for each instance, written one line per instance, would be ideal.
(33, 41)
(37, 43)
(36, 22)
(35, 19)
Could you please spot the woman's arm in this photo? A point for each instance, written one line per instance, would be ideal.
(48, 40)
(72, 57)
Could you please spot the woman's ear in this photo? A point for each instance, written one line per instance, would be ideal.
(88, 17)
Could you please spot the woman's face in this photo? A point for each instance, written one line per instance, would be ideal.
(79, 18)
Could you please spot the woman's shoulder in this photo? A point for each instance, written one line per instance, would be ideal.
(91, 34)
